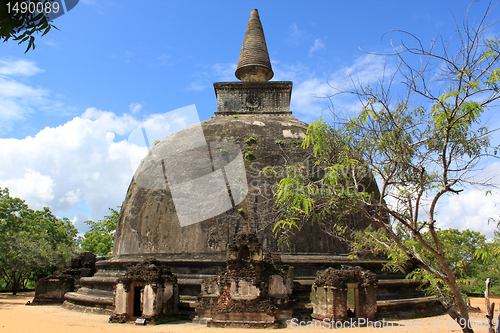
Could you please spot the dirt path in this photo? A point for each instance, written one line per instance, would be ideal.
(16, 317)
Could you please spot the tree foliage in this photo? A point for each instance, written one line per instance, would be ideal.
(32, 243)
(100, 238)
(488, 256)
(421, 142)
(22, 26)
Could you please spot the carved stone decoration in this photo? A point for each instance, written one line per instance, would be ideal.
(148, 290)
(252, 292)
(329, 294)
(253, 98)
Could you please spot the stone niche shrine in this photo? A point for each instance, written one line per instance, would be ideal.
(147, 291)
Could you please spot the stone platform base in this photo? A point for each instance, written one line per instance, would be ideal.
(396, 297)
(242, 323)
(87, 309)
(47, 301)
(409, 308)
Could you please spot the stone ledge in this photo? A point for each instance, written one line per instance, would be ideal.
(242, 324)
(94, 279)
(398, 282)
(407, 301)
(73, 296)
(410, 308)
(271, 85)
(326, 258)
(87, 309)
(93, 292)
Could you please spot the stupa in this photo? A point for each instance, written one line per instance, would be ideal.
(252, 127)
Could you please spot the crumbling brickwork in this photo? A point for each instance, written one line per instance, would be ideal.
(330, 289)
(253, 291)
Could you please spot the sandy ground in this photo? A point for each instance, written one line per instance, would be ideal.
(15, 316)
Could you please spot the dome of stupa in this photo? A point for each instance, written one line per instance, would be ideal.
(149, 223)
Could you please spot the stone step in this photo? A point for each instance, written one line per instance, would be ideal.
(88, 308)
(406, 302)
(396, 296)
(397, 282)
(409, 308)
(99, 279)
(193, 279)
(110, 273)
(187, 305)
(99, 283)
(82, 299)
(95, 292)
(323, 258)
(309, 280)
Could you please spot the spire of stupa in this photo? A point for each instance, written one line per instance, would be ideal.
(254, 64)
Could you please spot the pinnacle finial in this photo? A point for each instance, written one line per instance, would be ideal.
(254, 64)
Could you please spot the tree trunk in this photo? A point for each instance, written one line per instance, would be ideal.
(15, 284)
(457, 295)
(490, 309)
(462, 307)
(449, 280)
(498, 323)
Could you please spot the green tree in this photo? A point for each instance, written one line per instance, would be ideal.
(21, 25)
(100, 238)
(62, 238)
(460, 249)
(421, 143)
(489, 257)
(32, 243)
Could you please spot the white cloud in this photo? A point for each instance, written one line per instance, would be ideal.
(135, 107)
(224, 71)
(295, 35)
(310, 92)
(309, 97)
(18, 100)
(368, 69)
(163, 60)
(51, 43)
(19, 67)
(71, 197)
(128, 55)
(63, 166)
(33, 185)
(197, 86)
(470, 210)
(318, 45)
(79, 164)
(219, 72)
(289, 72)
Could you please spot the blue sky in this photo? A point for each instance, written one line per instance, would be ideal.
(67, 108)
